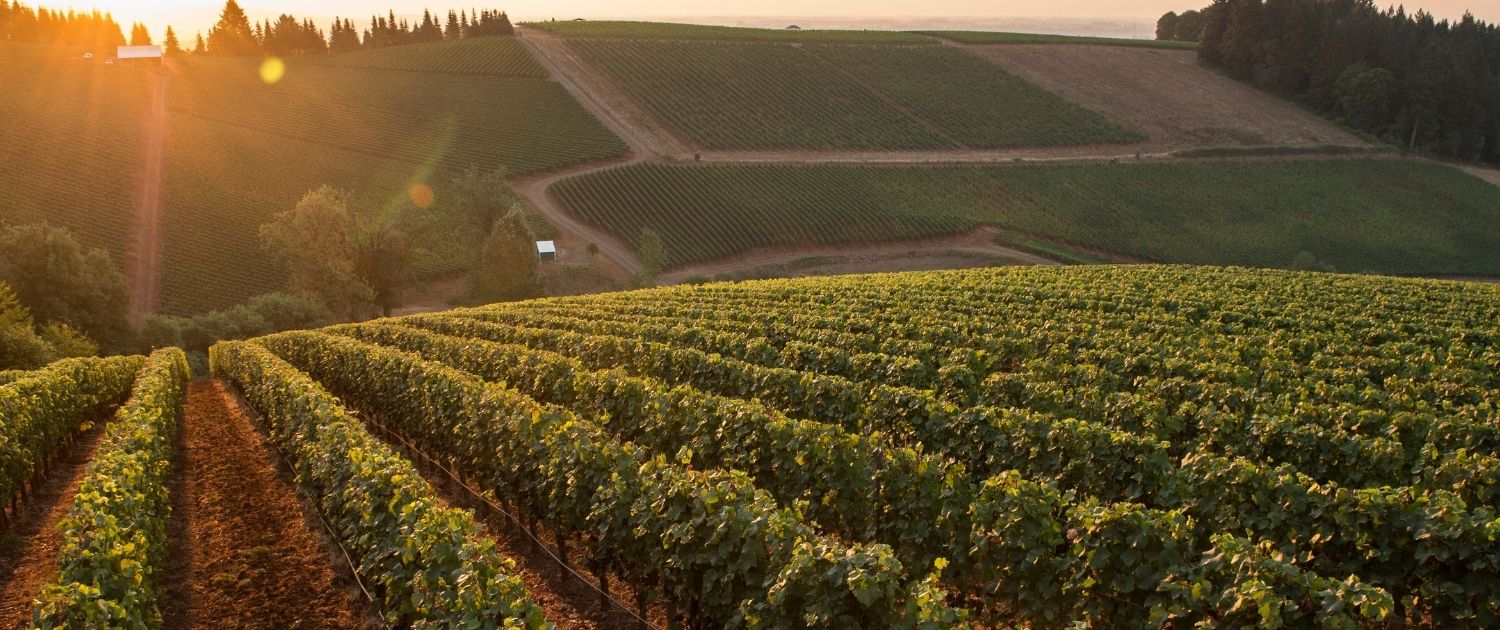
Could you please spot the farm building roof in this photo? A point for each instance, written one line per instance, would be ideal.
(139, 52)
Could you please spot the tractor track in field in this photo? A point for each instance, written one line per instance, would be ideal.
(242, 551)
(28, 550)
(144, 253)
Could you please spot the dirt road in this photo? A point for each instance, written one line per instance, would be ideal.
(243, 554)
(536, 190)
(28, 551)
(868, 258)
(1166, 94)
(144, 253)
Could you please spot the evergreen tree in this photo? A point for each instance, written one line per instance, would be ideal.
(1410, 79)
(453, 30)
(507, 264)
(139, 36)
(199, 47)
(170, 45)
(232, 35)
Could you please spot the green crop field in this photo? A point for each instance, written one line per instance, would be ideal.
(972, 102)
(767, 96)
(492, 56)
(70, 141)
(442, 120)
(1030, 446)
(980, 38)
(220, 187)
(240, 150)
(1387, 216)
(667, 30)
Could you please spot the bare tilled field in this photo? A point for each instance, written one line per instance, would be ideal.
(1166, 94)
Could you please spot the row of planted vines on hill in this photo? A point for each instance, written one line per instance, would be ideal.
(70, 142)
(355, 128)
(113, 543)
(1124, 446)
(1385, 216)
(756, 95)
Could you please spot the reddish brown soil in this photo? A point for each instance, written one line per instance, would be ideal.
(28, 551)
(244, 553)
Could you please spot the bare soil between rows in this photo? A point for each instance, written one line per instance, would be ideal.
(243, 552)
(28, 550)
(567, 600)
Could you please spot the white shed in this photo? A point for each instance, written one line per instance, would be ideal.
(149, 55)
(546, 250)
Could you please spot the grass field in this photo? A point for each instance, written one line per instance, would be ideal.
(738, 95)
(490, 56)
(240, 151)
(1385, 216)
(70, 138)
(667, 30)
(980, 38)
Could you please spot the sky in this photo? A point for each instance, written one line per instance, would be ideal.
(1082, 17)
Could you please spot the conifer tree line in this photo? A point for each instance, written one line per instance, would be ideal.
(1410, 79)
(236, 36)
(91, 31)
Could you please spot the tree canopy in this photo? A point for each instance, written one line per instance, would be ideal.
(62, 283)
(1408, 78)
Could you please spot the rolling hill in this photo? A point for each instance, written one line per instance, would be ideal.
(1041, 430)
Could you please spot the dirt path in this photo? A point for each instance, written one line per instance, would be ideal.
(535, 190)
(144, 255)
(1487, 174)
(1164, 93)
(566, 600)
(868, 258)
(28, 551)
(243, 554)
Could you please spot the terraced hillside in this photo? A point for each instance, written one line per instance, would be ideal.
(1385, 216)
(374, 122)
(1126, 445)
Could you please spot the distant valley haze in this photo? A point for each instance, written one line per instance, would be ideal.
(1110, 18)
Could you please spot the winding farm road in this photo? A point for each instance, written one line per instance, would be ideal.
(536, 190)
(651, 141)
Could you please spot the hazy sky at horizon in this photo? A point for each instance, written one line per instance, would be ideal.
(1115, 17)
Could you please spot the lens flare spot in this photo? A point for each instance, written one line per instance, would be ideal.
(421, 196)
(272, 70)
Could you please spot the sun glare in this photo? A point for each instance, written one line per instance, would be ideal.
(421, 196)
(272, 70)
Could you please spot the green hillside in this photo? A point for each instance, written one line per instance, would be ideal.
(492, 56)
(70, 141)
(1203, 431)
(241, 150)
(667, 30)
(1387, 216)
(738, 95)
